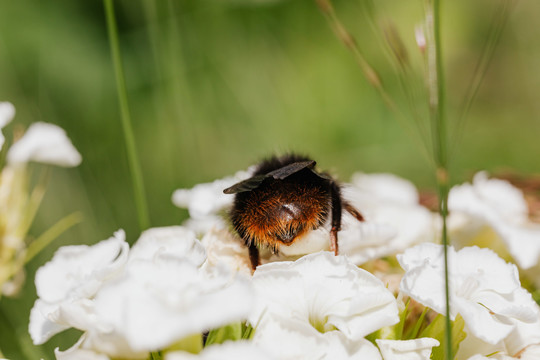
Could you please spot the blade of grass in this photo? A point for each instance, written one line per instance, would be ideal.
(133, 160)
(52, 233)
(435, 80)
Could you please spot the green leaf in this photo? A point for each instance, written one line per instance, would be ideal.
(413, 333)
(155, 355)
(436, 330)
(228, 332)
(247, 331)
(192, 344)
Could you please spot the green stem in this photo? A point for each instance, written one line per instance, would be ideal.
(438, 125)
(134, 165)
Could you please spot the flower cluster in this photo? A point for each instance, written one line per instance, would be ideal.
(44, 143)
(188, 292)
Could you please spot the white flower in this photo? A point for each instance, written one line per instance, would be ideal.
(394, 218)
(485, 289)
(503, 207)
(523, 336)
(130, 304)
(7, 112)
(297, 341)
(168, 242)
(205, 201)
(321, 299)
(165, 294)
(497, 356)
(66, 284)
(416, 349)
(230, 350)
(45, 143)
(530, 353)
(225, 249)
(158, 303)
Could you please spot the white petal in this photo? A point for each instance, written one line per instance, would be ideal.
(7, 112)
(45, 143)
(223, 248)
(503, 207)
(207, 198)
(517, 305)
(394, 218)
(111, 343)
(312, 241)
(489, 198)
(523, 242)
(389, 230)
(472, 345)
(229, 350)
(67, 282)
(104, 346)
(78, 271)
(485, 289)
(531, 353)
(77, 353)
(416, 349)
(490, 270)
(524, 335)
(386, 187)
(323, 290)
(306, 343)
(480, 322)
(41, 328)
(171, 241)
(158, 303)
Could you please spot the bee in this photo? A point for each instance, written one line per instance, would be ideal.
(284, 199)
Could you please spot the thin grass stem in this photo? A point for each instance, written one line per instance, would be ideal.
(52, 233)
(133, 160)
(371, 75)
(500, 19)
(436, 92)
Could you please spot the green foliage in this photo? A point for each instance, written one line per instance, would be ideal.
(436, 330)
(232, 332)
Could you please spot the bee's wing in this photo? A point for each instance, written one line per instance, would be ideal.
(246, 185)
(290, 169)
(279, 174)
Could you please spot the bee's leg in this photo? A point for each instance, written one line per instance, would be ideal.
(353, 211)
(253, 256)
(335, 193)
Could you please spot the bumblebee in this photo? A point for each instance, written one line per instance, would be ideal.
(285, 198)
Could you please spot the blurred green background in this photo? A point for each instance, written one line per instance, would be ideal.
(215, 85)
